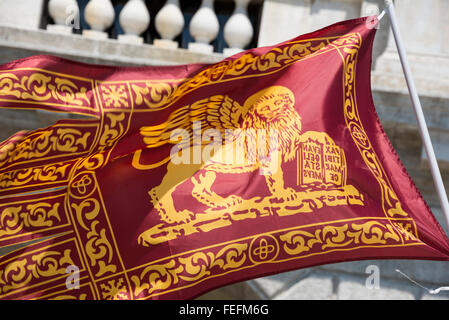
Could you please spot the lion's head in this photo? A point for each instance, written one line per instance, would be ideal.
(273, 109)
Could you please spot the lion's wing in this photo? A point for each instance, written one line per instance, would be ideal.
(223, 113)
(216, 112)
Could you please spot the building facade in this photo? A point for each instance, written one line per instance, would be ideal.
(168, 32)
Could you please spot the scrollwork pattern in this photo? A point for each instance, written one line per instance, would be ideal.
(153, 95)
(113, 130)
(48, 173)
(191, 268)
(97, 245)
(372, 232)
(61, 140)
(114, 289)
(21, 272)
(15, 219)
(115, 96)
(390, 202)
(92, 162)
(40, 87)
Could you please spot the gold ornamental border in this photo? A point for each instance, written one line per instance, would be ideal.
(53, 174)
(39, 87)
(68, 141)
(190, 268)
(43, 215)
(391, 204)
(94, 234)
(47, 264)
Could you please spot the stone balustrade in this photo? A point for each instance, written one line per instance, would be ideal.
(197, 29)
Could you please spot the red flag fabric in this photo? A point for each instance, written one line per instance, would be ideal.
(182, 179)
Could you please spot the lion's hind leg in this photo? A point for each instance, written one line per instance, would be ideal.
(202, 193)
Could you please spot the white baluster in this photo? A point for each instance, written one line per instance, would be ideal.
(238, 30)
(204, 28)
(65, 14)
(169, 23)
(134, 20)
(99, 14)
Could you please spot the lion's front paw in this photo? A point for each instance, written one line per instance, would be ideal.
(178, 217)
(154, 196)
(204, 181)
(184, 216)
(230, 201)
(286, 195)
(290, 194)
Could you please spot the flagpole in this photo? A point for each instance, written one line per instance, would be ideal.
(438, 181)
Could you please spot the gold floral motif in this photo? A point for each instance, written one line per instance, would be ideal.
(114, 289)
(112, 131)
(391, 204)
(153, 95)
(39, 215)
(368, 233)
(157, 277)
(192, 268)
(62, 140)
(407, 230)
(350, 106)
(98, 248)
(40, 87)
(199, 264)
(48, 173)
(115, 96)
(20, 272)
(275, 58)
(350, 39)
(302, 241)
(92, 162)
(263, 249)
(7, 146)
(373, 232)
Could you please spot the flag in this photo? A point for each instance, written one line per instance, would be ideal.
(180, 179)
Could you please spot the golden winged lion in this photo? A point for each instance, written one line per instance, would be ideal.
(269, 114)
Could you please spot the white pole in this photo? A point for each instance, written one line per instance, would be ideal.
(438, 181)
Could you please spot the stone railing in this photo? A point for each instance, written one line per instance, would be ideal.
(214, 26)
